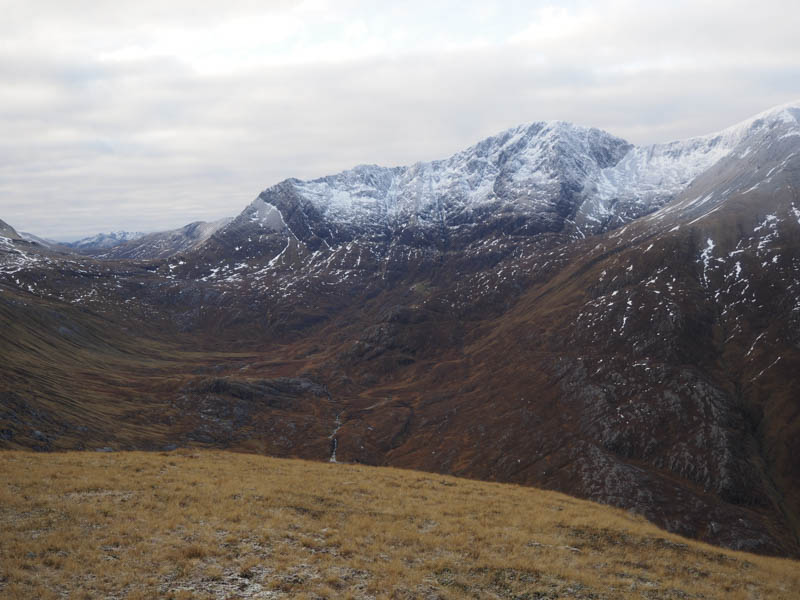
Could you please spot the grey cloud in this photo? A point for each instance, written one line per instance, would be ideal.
(93, 145)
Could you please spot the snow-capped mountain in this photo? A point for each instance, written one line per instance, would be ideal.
(544, 176)
(103, 240)
(529, 178)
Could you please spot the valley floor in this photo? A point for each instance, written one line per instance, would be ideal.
(214, 524)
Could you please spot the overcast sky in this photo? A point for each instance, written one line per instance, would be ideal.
(147, 115)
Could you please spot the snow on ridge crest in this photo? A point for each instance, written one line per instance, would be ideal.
(527, 168)
(664, 170)
(525, 165)
(107, 240)
(788, 113)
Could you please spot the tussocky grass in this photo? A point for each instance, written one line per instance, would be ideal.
(223, 525)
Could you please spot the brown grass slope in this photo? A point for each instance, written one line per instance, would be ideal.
(74, 380)
(220, 525)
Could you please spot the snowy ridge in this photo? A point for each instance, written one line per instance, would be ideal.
(652, 175)
(572, 173)
(525, 167)
(105, 240)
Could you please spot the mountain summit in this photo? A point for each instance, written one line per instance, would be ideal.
(543, 176)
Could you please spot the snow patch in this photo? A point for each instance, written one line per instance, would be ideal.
(705, 257)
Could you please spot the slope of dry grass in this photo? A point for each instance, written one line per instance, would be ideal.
(225, 525)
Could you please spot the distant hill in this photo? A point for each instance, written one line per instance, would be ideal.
(7, 231)
(163, 244)
(103, 241)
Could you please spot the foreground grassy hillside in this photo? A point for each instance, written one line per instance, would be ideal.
(226, 525)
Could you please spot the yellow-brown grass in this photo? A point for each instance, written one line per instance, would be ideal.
(226, 525)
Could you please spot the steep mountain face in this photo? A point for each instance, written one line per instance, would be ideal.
(526, 180)
(552, 306)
